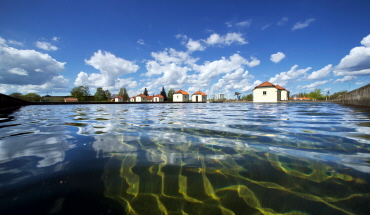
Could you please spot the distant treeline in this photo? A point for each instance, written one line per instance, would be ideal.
(82, 93)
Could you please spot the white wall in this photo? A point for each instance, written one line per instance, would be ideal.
(157, 99)
(200, 98)
(271, 94)
(140, 99)
(284, 95)
(178, 97)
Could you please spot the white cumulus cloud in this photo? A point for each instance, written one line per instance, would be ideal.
(110, 67)
(46, 46)
(239, 80)
(276, 58)
(193, 45)
(213, 40)
(210, 70)
(25, 67)
(13, 42)
(345, 79)
(254, 62)
(228, 39)
(57, 84)
(285, 77)
(357, 62)
(301, 25)
(95, 80)
(313, 85)
(322, 73)
(18, 71)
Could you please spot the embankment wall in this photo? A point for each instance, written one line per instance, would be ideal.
(358, 97)
(8, 101)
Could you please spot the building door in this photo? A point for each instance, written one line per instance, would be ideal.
(196, 98)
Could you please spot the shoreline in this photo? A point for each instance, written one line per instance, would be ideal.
(16, 106)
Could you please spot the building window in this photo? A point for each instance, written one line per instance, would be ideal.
(177, 96)
(264, 93)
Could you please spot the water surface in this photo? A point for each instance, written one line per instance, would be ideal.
(220, 158)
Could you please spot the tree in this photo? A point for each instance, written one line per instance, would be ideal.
(146, 92)
(170, 95)
(108, 95)
(32, 97)
(80, 93)
(163, 93)
(248, 97)
(337, 94)
(120, 93)
(301, 95)
(17, 95)
(125, 96)
(123, 93)
(100, 95)
(316, 94)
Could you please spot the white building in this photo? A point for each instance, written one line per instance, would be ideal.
(199, 97)
(133, 99)
(150, 98)
(118, 99)
(158, 98)
(221, 96)
(267, 92)
(180, 96)
(141, 98)
(284, 94)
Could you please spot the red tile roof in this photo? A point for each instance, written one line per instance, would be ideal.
(149, 97)
(141, 95)
(303, 98)
(281, 88)
(71, 99)
(119, 97)
(266, 84)
(201, 93)
(159, 96)
(181, 92)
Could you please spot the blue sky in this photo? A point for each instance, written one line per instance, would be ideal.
(212, 46)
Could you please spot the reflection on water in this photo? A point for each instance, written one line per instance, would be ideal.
(288, 158)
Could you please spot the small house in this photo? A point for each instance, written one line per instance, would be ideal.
(199, 97)
(180, 96)
(150, 98)
(266, 92)
(141, 98)
(133, 99)
(284, 93)
(158, 98)
(118, 99)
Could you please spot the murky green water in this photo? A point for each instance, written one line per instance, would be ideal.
(288, 158)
